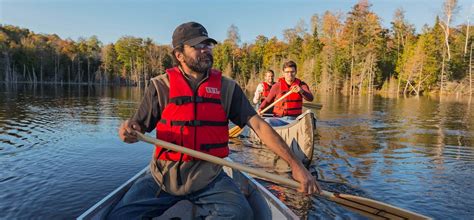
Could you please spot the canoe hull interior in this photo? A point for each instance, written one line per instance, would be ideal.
(264, 204)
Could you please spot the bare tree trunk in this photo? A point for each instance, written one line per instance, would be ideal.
(56, 68)
(79, 79)
(69, 74)
(41, 70)
(106, 77)
(27, 77)
(141, 74)
(147, 75)
(470, 72)
(365, 73)
(371, 74)
(14, 73)
(131, 71)
(467, 37)
(420, 80)
(33, 74)
(446, 40)
(441, 89)
(406, 86)
(144, 72)
(449, 8)
(399, 83)
(352, 67)
(7, 79)
(398, 46)
(88, 72)
(413, 89)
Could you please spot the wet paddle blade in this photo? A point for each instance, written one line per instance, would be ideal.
(371, 208)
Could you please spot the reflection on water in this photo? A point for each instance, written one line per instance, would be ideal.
(59, 152)
(30, 116)
(415, 153)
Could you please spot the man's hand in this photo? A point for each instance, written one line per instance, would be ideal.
(127, 131)
(296, 89)
(308, 183)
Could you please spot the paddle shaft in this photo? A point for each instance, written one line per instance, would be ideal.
(275, 102)
(220, 161)
(217, 160)
(235, 131)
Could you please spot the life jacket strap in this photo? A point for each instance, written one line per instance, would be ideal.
(181, 100)
(207, 147)
(195, 123)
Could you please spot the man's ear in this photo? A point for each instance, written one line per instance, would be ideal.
(179, 56)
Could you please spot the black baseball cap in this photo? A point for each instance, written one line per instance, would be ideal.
(190, 33)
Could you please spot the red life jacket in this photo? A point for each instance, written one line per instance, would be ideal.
(292, 105)
(266, 90)
(195, 120)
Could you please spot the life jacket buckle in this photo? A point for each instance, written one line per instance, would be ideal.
(197, 99)
(195, 123)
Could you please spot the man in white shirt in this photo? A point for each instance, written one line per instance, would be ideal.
(263, 88)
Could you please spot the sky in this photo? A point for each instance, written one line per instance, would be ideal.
(111, 19)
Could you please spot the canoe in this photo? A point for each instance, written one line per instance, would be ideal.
(264, 204)
(299, 135)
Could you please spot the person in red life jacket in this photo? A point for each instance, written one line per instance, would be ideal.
(290, 107)
(263, 88)
(190, 105)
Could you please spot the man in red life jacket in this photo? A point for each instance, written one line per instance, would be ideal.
(190, 106)
(290, 107)
(263, 88)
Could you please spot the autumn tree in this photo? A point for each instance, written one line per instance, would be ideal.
(362, 31)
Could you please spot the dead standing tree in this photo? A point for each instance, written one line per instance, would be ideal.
(367, 75)
(449, 9)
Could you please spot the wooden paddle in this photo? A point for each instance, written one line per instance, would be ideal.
(368, 207)
(236, 130)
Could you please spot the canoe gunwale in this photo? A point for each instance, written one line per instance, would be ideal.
(112, 197)
(101, 208)
(293, 123)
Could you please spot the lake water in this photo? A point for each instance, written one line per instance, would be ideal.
(60, 154)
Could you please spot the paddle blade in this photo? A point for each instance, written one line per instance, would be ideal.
(371, 208)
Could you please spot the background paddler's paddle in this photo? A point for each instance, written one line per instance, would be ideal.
(236, 130)
(368, 207)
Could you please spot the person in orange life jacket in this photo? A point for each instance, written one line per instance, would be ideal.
(263, 88)
(190, 106)
(290, 107)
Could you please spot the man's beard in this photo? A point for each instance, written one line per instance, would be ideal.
(201, 64)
